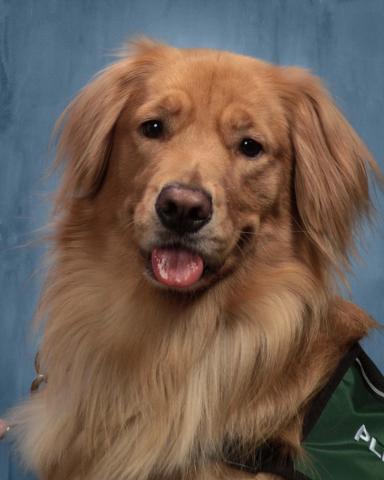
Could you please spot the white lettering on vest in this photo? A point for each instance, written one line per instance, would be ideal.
(363, 434)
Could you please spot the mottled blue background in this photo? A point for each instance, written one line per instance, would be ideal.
(50, 48)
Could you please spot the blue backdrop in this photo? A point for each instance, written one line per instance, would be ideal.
(50, 48)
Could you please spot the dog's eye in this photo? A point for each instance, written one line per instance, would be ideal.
(152, 128)
(250, 147)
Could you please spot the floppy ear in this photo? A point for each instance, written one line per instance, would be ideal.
(86, 126)
(330, 171)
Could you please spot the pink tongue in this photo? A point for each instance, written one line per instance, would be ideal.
(176, 267)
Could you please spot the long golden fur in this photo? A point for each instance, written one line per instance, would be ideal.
(146, 382)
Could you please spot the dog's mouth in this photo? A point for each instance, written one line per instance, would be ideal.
(177, 266)
(180, 268)
(183, 267)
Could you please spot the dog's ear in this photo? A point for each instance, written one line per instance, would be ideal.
(85, 128)
(331, 165)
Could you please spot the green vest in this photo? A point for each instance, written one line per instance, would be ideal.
(343, 433)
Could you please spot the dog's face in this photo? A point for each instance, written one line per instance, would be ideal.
(203, 163)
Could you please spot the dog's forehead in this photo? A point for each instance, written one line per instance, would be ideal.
(214, 78)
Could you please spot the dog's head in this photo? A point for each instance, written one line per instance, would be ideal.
(193, 164)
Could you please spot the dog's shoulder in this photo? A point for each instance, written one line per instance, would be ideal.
(348, 322)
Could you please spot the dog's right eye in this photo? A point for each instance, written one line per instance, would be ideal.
(152, 128)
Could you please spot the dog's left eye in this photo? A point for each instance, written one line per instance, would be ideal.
(152, 128)
(250, 147)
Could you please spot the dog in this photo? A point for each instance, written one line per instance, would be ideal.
(208, 207)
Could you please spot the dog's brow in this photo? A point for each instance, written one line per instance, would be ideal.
(171, 103)
(237, 118)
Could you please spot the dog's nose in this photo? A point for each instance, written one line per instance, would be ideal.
(182, 208)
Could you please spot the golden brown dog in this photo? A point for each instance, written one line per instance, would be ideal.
(207, 203)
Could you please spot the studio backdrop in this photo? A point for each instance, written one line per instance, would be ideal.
(49, 49)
